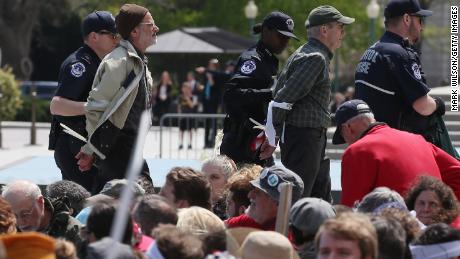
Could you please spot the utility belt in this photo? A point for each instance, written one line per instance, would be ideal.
(75, 123)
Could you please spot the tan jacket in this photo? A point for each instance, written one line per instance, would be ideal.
(114, 91)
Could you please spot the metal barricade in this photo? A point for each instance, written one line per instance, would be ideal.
(192, 129)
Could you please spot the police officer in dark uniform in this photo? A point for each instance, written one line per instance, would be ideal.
(75, 80)
(248, 91)
(389, 76)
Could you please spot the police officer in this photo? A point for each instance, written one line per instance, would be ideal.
(75, 80)
(389, 76)
(249, 92)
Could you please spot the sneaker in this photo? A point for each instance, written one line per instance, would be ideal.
(180, 146)
(189, 146)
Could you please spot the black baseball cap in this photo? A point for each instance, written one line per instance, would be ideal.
(271, 178)
(281, 22)
(397, 8)
(325, 14)
(346, 111)
(98, 21)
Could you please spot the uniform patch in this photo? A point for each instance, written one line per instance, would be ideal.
(78, 69)
(273, 180)
(248, 67)
(290, 24)
(416, 70)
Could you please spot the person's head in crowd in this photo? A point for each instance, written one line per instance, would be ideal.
(266, 245)
(172, 243)
(238, 188)
(75, 193)
(145, 181)
(352, 118)
(438, 241)
(230, 66)
(213, 64)
(408, 222)
(264, 198)
(7, 218)
(186, 187)
(327, 25)
(65, 249)
(113, 189)
(99, 32)
(349, 233)
(214, 242)
(109, 248)
(30, 245)
(28, 205)
(100, 221)
(190, 76)
(218, 169)
(251, 171)
(391, 237)
(305, 218)
(198, 221)
(405, 18)
(276, 30)
(433, 201)
(152, 210)
(437, 233)
(378, 197)
(135, 24)
(340, 208)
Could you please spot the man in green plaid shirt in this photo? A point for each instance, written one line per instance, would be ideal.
(299, 115)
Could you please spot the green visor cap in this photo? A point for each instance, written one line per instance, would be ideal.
(325, 14)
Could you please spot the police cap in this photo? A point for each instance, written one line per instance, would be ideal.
(281, 22)
(397, 8)
(98, 21)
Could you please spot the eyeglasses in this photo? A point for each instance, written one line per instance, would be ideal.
(421, 19)
(150, 24)
(111, 34)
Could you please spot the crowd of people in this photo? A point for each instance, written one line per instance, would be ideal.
(400, 177)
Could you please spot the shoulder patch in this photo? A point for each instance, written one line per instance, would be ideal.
(416, 70)
(77, 69)
(248, 67)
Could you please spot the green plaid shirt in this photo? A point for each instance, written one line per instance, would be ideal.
(305, 83)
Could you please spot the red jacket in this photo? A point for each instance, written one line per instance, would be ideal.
(244, 220)
(393, 158)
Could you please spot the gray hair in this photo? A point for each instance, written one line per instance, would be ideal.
(314, 32)
(368, 116)
(377, 197)
(25, 188)
(226, 164)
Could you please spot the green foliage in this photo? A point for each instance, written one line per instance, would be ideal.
(42, 110)
(229, 15)
(10, 100)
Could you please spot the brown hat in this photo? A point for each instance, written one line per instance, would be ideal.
(130, 16)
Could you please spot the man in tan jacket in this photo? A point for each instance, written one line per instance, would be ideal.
(122, 90)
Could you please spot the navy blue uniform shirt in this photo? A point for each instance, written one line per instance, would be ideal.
(76, 77)
(249, 89)
(389, 78)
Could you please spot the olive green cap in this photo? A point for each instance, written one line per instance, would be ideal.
(325, 14)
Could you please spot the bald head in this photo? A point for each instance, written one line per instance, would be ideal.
(21, 188)
(27, 204)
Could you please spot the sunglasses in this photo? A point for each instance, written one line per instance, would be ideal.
(113, 35)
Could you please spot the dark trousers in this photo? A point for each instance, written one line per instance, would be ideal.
(303, 152)
(65, 151)
(116, 163)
